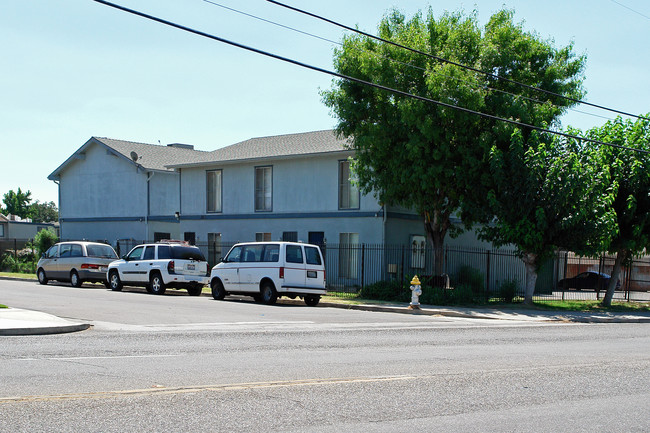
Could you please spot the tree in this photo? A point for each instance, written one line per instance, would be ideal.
(428, 157)
(547, 194)
(43, 212)
(17, 203)
(630, 174)
(44, 239)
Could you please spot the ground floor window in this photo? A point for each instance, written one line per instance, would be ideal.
(159, 236)
(348, 255)
(262, 237)
(290, 236)
(190, 237)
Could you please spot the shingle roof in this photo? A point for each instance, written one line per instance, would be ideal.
(307, 143)
(152, 156)
(166, 158)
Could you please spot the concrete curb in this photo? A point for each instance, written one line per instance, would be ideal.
(17, 322)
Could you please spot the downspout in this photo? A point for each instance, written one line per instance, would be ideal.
(146, 218)
(58, 183)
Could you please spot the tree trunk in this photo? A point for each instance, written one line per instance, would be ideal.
(530, 260)
(621, 257)
(436, 230)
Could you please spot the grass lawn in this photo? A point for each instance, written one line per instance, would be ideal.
(18, 275)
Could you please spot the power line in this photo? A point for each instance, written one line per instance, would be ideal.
(381, 56)
(357, 80)
(630, 9)
(460, 65)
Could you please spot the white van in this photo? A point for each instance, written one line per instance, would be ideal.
(269, 270)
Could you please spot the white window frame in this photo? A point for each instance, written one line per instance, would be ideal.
(214, 193)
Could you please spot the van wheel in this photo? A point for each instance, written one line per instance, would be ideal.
(218, 292)
(195, 290)
(75, 280)
(114, 281)
(268, 294)
(42, 278)
(312, 300)
(157, 285)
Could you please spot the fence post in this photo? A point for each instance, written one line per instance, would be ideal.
(402, 265)
(487, 284)
(566, 266)
(363, 263)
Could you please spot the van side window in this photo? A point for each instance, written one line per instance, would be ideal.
(271, 253)
(76, 251)
(234, 255)
(252, 253)
(65, 250)
(53, 252)
(312, 256)
(294, 254)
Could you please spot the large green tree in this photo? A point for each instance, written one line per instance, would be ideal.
(548, 193)
(630, 174)
(43, 212)
(432, 158)
(17, 203)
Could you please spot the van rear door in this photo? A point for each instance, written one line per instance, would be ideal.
(294, 271)
(315, 270)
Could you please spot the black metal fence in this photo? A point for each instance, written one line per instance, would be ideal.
(351, 267)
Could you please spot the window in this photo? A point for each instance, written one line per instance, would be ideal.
(348, 191)
(135, 254)
(312, 256)
(2, 230)
(190, 237)
(213, 190)
(103, 251)
(164, 252)
(65, 250)
(214, 248)
(252, 253)
(264, 189)
(348, 255)
(234, 255)
(52, 252)
(262, 237)
(271, 253)
(76, 251)
(290, 236)
(294, 254)
(159, 236)
(149, 253)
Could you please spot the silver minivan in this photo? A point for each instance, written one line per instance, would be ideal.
(76, 262)
(269, 270)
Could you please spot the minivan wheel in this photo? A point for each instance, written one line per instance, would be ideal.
(312, 300)
(42, 278)
(157, 284)
(75, 281)
(218, 292)
(268, 294)
(114, 281)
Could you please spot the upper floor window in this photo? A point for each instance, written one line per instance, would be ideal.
(264, 189)
(213, 189)
(348, 191)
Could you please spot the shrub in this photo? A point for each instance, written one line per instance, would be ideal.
(43, 240)
(386, 291)
(471, 278)
(508, 290)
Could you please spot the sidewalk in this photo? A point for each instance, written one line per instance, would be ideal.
(15, 321)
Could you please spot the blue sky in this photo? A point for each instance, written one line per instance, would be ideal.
(75, 68)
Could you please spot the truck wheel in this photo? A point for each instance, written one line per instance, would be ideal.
(218, 292)
(268, 294)
(312, 300)
(157, 285)
(114, 281)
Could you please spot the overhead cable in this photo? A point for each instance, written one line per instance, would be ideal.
(357, 80)
(460, 65)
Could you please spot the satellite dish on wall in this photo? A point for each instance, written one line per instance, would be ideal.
(134, 156)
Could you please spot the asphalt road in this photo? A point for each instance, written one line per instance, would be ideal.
(178, 363)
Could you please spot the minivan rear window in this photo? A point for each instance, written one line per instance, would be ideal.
(103, 251)
(187, 253)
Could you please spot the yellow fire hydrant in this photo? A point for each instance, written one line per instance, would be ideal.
(416, 289)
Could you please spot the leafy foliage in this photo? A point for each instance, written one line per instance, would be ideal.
(630, 177)
(17, 203)
(44, 239)
(43, 212)
(429, 157)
